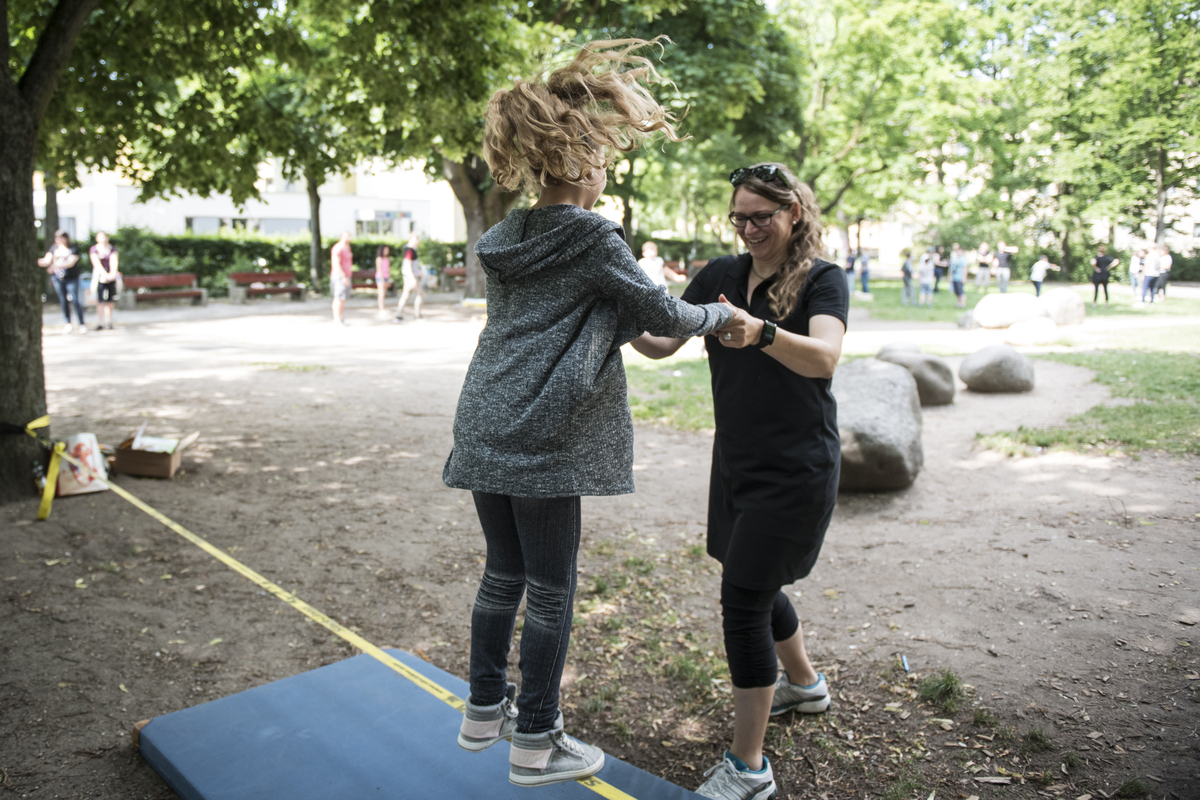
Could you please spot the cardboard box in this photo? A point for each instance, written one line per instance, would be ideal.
(73, 480)
(150, 463)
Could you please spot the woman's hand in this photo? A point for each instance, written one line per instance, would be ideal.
(742, 331)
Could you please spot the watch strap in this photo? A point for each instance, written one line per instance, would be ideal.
(767, 337)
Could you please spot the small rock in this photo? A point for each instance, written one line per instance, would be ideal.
(998, 368)
(935, 379)
(967, 321)
(1038, 330)
(879, 419)
(1063, 306)
(1002, 310)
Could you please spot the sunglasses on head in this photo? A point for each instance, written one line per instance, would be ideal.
(763, 173)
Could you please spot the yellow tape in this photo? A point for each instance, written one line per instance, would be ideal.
(598, 786)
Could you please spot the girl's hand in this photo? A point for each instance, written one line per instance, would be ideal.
(742, 331)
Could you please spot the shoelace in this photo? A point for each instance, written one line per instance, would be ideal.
(567, 743)
(724, 778)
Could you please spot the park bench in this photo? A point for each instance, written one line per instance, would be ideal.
(365, 279)
(244, 285)
(452, 278)
(140, 288)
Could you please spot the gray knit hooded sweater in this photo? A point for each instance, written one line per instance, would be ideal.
(543, 411)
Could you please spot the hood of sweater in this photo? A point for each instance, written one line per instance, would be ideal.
(530, 240)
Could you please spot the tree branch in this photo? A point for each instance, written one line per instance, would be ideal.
(858, 173)
(52, 54)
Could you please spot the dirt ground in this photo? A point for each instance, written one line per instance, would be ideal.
(1061, 588)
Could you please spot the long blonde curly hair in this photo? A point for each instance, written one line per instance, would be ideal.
(806, 243)
(557, 128)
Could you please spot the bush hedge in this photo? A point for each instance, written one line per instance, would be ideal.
(211, 257)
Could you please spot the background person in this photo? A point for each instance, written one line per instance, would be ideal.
(410, 271)
(655, 268)
(864, 270)
(1135, 270)
(776, 453)
(1102, 266)
(1004, 254)
(383, 275)
(984, 258)
(1150, 274)
(926, 275)
(105, 274)
(341, 276)
(543, 416)
(62, 262)
(907, 294)
(958, 274)
(940, 262)
(1037, 274)
(1164, 270)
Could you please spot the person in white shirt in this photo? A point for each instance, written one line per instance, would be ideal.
(1038, 273)
(925, 275)
(1164, 271)
(1135, 270)
(655, 268)
(1150, 274)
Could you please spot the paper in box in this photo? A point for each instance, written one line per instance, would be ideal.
(151, 456)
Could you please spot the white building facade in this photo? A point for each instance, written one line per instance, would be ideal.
(372, 200)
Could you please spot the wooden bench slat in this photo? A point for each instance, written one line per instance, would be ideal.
(158, 281)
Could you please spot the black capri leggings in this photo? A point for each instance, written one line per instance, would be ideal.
(754, 620)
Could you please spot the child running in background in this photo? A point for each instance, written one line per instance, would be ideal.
(1038, 273)
(543, 416)
(383, 275)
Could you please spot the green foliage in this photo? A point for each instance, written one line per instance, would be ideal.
(1132, 788)
(1165, 417)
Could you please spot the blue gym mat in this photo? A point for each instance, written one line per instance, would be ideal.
(352, 730)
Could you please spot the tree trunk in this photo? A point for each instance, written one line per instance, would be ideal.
(22, 375)
(1160, 199)
(1068, 259)
(50, 218)
(316, 252)
(484, 204)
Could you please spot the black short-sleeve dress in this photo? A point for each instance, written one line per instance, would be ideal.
(776, 454)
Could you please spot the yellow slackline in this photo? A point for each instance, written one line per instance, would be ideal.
(598, 786)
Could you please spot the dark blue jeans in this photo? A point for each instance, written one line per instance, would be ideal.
(69, 293)
(532, 545)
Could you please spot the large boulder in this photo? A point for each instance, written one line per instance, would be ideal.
(998, 368)
(899, 347)
(1064, 306)
(935, 379)
(879, 419)
(1039, 330)
(1002, 310)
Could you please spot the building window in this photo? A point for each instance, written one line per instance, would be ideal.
(386, 223)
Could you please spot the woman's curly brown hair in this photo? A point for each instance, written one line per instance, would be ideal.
(556, 129)
(807, 241)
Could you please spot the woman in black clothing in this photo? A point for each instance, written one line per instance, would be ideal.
(776, 454)
(1102, 266)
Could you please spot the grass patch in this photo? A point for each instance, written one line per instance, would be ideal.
(674, 393)
(1071, 760)
(1165, 415)
(984, 719)
(944, 689)
(1035, 740)
(885, 304)
(695, 672)
(1132, 788)
(905, 787)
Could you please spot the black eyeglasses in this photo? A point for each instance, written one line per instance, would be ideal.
(760, 220)
(765, 172)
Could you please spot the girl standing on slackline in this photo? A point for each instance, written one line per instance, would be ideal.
(776, 453)
(543, 416)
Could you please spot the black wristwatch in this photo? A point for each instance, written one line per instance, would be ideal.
(767, 337)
